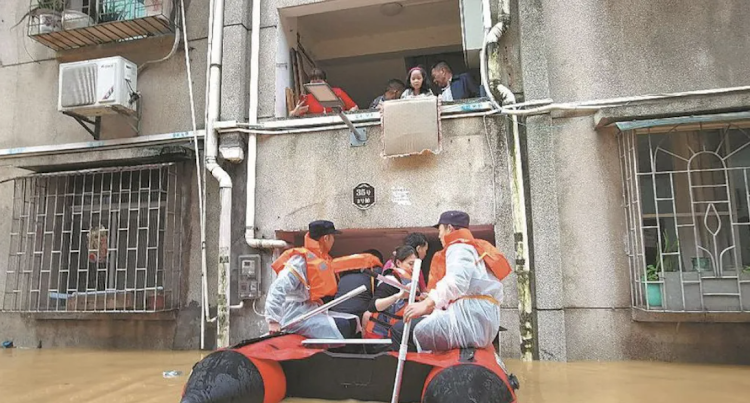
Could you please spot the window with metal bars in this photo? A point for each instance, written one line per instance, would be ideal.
(101, 240)
(686, 197)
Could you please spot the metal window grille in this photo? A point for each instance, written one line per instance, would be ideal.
(686, 199)
(103, 240)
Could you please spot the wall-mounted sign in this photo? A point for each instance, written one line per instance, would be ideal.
(363, 196)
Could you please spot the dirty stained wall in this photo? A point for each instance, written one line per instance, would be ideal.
(592, 49)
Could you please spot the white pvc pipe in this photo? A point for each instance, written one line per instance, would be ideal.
(404, 348)
(201, 204)
(213, 109)
(252, 139)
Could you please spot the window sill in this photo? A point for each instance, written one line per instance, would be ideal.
(104, 316)
(452, 110)
(642, 315)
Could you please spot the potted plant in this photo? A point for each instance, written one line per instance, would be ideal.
(111, 10)
(666, 260)
(47, 16)
(652, 287)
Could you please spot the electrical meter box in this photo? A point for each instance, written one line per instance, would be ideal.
(248, 280)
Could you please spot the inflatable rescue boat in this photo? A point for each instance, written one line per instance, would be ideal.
(271, 368)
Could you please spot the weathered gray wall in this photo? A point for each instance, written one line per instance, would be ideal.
(28, 117)
(593, 49)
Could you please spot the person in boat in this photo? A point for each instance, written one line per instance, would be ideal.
(350, 271)
(387, 305)
(304, 277)
(463, 310)
(418, 241)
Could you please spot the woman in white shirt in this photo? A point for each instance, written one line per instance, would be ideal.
(418, 83)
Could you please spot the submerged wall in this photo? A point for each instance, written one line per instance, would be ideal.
(591, 49)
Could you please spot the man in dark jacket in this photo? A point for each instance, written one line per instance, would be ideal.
(454, 87)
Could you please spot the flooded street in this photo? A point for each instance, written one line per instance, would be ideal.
(31, 376)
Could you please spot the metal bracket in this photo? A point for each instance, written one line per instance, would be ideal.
(95, 131)
(357, 137)
(85, 122)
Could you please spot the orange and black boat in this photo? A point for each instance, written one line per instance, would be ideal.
(271, 368)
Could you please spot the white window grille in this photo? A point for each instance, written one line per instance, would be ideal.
(101, 240)
(686, 199)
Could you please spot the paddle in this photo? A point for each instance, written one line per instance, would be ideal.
(405, 338)
(351, 294)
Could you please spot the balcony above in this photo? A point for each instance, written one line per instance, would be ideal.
(98, 22)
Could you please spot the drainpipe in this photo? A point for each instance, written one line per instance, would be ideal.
(518, 197)
(252, 140)
(213, 110)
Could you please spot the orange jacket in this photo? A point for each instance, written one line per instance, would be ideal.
(355, 262)
(321, 278)
(493, 259)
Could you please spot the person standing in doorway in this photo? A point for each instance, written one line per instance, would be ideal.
(308, 105)
(418, 83)
(454, 87)
(393, 90)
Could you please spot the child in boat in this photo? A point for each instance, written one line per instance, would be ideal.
(388, 301)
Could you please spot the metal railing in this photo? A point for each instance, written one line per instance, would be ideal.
(102, 240)
(70, 24)
(686, 198)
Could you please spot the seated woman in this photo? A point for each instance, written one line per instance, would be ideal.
(419, 242)
(388, 302)
(418, 84)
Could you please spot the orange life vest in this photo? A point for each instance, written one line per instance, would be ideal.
(493, 259)
(437, 269)
(380, 324)
(356, 262)
(321, 278)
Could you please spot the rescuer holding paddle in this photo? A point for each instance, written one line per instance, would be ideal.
(463, 309)
(304, 277)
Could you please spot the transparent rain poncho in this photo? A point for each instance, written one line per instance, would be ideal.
(464, 315)
(288, 298)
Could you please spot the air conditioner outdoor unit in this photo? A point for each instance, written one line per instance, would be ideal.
(98, 87)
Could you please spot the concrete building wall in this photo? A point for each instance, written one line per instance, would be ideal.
(589, 49)
(304, 177)
(29, 117)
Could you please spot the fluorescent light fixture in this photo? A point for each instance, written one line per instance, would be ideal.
(324, 94)
(328, 99)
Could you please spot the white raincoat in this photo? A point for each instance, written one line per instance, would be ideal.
(288, 298)
(466, 322)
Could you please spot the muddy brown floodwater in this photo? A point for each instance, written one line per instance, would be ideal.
(81, 376)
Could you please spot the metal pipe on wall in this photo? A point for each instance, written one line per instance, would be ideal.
(518, 197)
(213, 109)
(252, 139)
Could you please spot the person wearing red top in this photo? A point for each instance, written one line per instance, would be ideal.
(308, 105)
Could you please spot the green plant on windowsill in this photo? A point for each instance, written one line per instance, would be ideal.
(671, 262)
(746, 270)
(50, 5)
(44, 7)
(111, 10)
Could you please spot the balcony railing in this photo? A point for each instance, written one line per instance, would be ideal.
(71, 24)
